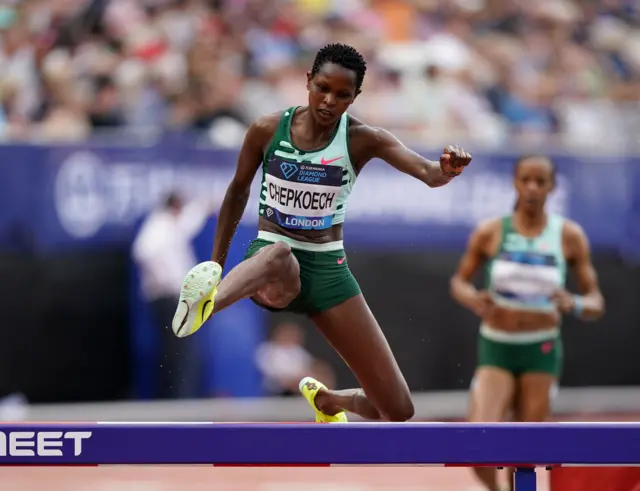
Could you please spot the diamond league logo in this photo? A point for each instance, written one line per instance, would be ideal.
(79, 195)
(288, 169)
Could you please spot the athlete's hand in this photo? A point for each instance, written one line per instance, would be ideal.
(483, 303)
(564, 301)
(453, 160)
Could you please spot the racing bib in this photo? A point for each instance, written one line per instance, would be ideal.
(301, 195)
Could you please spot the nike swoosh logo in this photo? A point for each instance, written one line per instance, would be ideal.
(327, 162)
(340, 261)
(204, 307)
(182, 324)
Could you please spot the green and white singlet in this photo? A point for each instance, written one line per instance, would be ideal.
(306, 190)
(525, 272)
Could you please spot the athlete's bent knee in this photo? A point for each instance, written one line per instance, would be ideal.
(279, 252)
(281, 260)
(283, 273)
(280, 249)
(399, 412)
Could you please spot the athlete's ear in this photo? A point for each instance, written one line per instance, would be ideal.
(309, 77)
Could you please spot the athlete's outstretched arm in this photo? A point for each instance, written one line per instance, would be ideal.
(590, 305)
(387, 147)
(461, 285)
(237, 195)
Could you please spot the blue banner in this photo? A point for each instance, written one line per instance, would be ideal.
(90, 195)
(313, 444)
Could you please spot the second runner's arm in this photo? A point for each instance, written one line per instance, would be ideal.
(461, 287)
(590, 304)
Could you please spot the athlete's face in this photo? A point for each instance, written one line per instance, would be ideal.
(534, 180)
(331, 92)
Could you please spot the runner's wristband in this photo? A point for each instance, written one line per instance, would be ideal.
(577, 305)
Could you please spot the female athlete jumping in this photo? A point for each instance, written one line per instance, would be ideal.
(520, 347)
(310, 158)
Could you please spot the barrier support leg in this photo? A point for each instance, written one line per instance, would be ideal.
(524, 479)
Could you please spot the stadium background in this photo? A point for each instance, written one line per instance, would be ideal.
(107, 105)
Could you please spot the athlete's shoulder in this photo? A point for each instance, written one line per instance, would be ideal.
(572, 230)
(574, 240)
(484, 235)
(366, 141)
(361, 130)
(267, 122)
(263, 128)
(355, 124)
(489, 227)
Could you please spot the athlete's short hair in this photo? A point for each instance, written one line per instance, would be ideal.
(536, 156)
(344, 55)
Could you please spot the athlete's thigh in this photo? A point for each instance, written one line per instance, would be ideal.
(354, 333)
(282, 273)
(492, 394)
(535, 391)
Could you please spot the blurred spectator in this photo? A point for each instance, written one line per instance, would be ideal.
(486, 71)
(164, 254)
(283, 361)
(14, 407)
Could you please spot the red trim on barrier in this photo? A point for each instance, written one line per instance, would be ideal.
(49, 465)
(498, 465)
(595, 479)
(272, 465)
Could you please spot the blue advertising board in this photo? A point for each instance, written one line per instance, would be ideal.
(90, 195)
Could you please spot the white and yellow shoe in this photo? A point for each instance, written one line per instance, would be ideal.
(309, 387)
(196, 298)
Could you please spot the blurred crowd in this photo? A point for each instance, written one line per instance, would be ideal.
(484, 71)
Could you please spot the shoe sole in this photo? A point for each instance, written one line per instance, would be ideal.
(196, 298)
